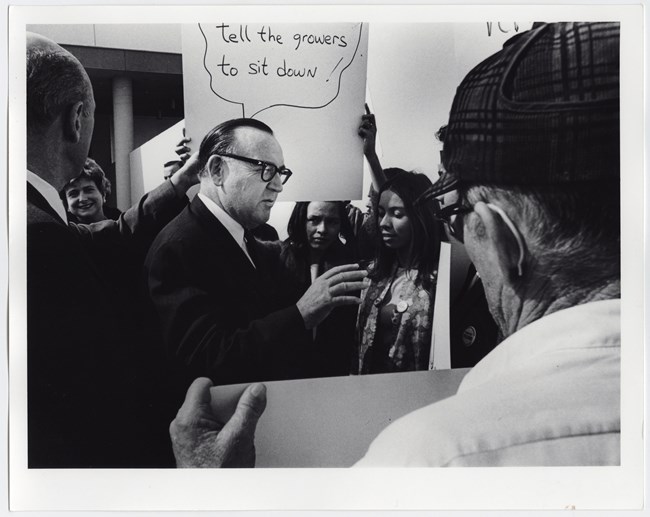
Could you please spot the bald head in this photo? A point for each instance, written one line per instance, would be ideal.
(37, 41)
(55, 81)
(60, 112)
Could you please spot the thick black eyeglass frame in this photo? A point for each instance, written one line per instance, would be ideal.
(268, 169)
(445, 213)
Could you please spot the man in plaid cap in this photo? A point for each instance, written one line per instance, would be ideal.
(532, 189)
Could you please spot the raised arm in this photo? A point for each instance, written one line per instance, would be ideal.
(368, 131)
(136, 228)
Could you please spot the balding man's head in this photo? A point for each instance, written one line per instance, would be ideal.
(60, 112)
(55, 81)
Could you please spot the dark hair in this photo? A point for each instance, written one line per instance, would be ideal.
(91, 171)
(424, 247)
(296, 228)
(55, 80)
(389, 173)
(220, 138)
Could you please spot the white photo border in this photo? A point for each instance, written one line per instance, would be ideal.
(333, 489)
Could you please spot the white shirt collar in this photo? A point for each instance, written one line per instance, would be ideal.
(235, 229)
(49, 193)
(550, 334)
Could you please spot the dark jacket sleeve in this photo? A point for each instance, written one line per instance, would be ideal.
(220, 325)
(140, 223)
(120, 247)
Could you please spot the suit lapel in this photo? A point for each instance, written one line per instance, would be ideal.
(226, 245)
(74, 245)
(265, 277)
(258, 284)
(35, 197)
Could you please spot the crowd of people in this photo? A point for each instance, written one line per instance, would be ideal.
(224, 301)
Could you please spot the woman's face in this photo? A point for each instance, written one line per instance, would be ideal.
(85, 200)
(323, 224)
(394, 225)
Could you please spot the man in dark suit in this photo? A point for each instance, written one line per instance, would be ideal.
(85, 396)
(223, 306)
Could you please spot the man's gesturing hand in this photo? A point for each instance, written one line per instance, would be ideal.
(200, 440)
(332, 289)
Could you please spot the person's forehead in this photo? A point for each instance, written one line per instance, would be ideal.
(81, 183)
(323, 209)
(390, 198)
(260, 145)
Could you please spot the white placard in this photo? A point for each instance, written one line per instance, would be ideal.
(306, 81)
(147, 161)
(331, 422)
(440, 355)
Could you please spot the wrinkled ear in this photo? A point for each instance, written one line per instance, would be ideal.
(502, 241)
(215, 169)
(72, 121)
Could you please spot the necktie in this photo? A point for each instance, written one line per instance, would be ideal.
(249, 241)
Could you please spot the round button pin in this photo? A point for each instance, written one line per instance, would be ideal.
(469, 336)
(402, 306)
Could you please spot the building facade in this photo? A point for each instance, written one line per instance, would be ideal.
(137, 76)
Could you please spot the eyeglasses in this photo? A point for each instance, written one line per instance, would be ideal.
(268, 169)
(450, 215)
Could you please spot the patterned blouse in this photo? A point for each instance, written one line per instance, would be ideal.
(394, 324)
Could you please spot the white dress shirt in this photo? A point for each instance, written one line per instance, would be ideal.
(235, 229)
(547, 395)
(49, 193)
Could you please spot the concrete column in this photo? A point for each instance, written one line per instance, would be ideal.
(122, 138)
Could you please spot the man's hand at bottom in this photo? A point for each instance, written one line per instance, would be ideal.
(199, 440)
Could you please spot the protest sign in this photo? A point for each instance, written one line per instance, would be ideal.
(306, 81)
(330, 422)
(147, 161)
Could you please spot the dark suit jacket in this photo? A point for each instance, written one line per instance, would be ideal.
(221, 317)
(85, 406)
(335, 336)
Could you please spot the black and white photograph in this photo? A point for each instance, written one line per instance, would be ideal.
(332, 252)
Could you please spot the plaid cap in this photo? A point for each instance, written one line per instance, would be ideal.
(544, 110)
